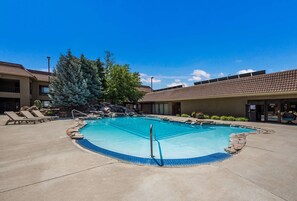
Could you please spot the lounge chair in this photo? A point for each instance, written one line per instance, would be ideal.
(28, 115)
(39, 114)
(13, 117)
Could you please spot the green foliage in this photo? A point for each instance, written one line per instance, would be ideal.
(231, 118)
(122, 85)
(50, 113)
(38, 104)
(178, 115)
(101, 74)
(68, 87)
(206, 116)
(193, 114)
(185, 115)
(241, 119)
(90, 74)
(224, 118)
(215, 117)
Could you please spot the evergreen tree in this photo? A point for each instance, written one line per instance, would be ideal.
(90, 74)
(109, 61)
(68, 88)
(101, 76)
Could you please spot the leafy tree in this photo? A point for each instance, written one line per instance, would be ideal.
(90, 74)
(122, 85)
(68, 88)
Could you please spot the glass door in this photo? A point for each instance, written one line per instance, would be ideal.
(273, 112)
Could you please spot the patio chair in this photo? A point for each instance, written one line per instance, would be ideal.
(13, 117)
(28, 115)
(39, 114)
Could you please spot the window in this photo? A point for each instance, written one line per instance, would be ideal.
(43, 90)
(45, 103)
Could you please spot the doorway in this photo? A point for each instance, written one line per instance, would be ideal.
(176, 108)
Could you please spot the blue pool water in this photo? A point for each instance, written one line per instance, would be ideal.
(129, 136)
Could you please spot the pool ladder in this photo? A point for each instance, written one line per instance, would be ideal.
(151, 141)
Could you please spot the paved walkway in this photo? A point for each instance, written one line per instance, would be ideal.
(38, 162)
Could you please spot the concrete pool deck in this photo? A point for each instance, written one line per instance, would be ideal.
(39, 162)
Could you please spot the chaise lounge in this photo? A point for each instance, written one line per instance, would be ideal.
(28, 115)
(39, 114)
(13, 117)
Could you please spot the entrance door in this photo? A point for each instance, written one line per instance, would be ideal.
(176, 108)
(273, 112)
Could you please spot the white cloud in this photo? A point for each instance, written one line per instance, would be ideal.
(245, 71)
(198, 75)
(147, 79)
(221, 75)
(177, 82)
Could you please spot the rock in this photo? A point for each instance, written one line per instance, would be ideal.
(238, 146)
(77, 136)
(230, 150)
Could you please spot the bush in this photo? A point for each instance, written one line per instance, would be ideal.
(178, 115)
(50, 113)
(241, 119)
(224, 118)
(185, 115)
(215, 117)
(206, 116)
(38, 104)
(193, 114)
(231, 118)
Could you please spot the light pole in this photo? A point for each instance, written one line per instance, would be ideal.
(152, 83)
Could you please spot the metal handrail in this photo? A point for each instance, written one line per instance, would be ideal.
(77, 111)
(151, 141)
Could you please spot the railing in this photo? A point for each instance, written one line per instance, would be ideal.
(77, 111)
(9, 89)
(151, 141)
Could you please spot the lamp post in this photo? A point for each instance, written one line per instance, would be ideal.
(152, 83)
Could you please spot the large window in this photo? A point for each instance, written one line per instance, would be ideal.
(43, 90)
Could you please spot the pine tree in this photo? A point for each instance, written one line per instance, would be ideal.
(68, 88)
(90, 74)
(101, 76)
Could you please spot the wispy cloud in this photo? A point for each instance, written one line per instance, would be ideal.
(245, 71)
(199, 75)
(221, 74)
(147, 79)
(176, 83)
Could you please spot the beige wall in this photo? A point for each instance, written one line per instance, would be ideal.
(35, 91)
(225, 106)
(24, 95)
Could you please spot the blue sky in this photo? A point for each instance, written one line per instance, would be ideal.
(174, 41)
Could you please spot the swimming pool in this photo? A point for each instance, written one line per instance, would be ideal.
(128, 138)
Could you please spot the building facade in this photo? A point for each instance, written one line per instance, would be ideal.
(258, 96)
(21, 87)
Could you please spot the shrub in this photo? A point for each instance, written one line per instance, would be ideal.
(38, 104)
(231, 118)
(185, 115)
(224, 118)
(193, 114)
(215, 117)
(50, 113)
(178, 115)
(206, 116)
(241, 119)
